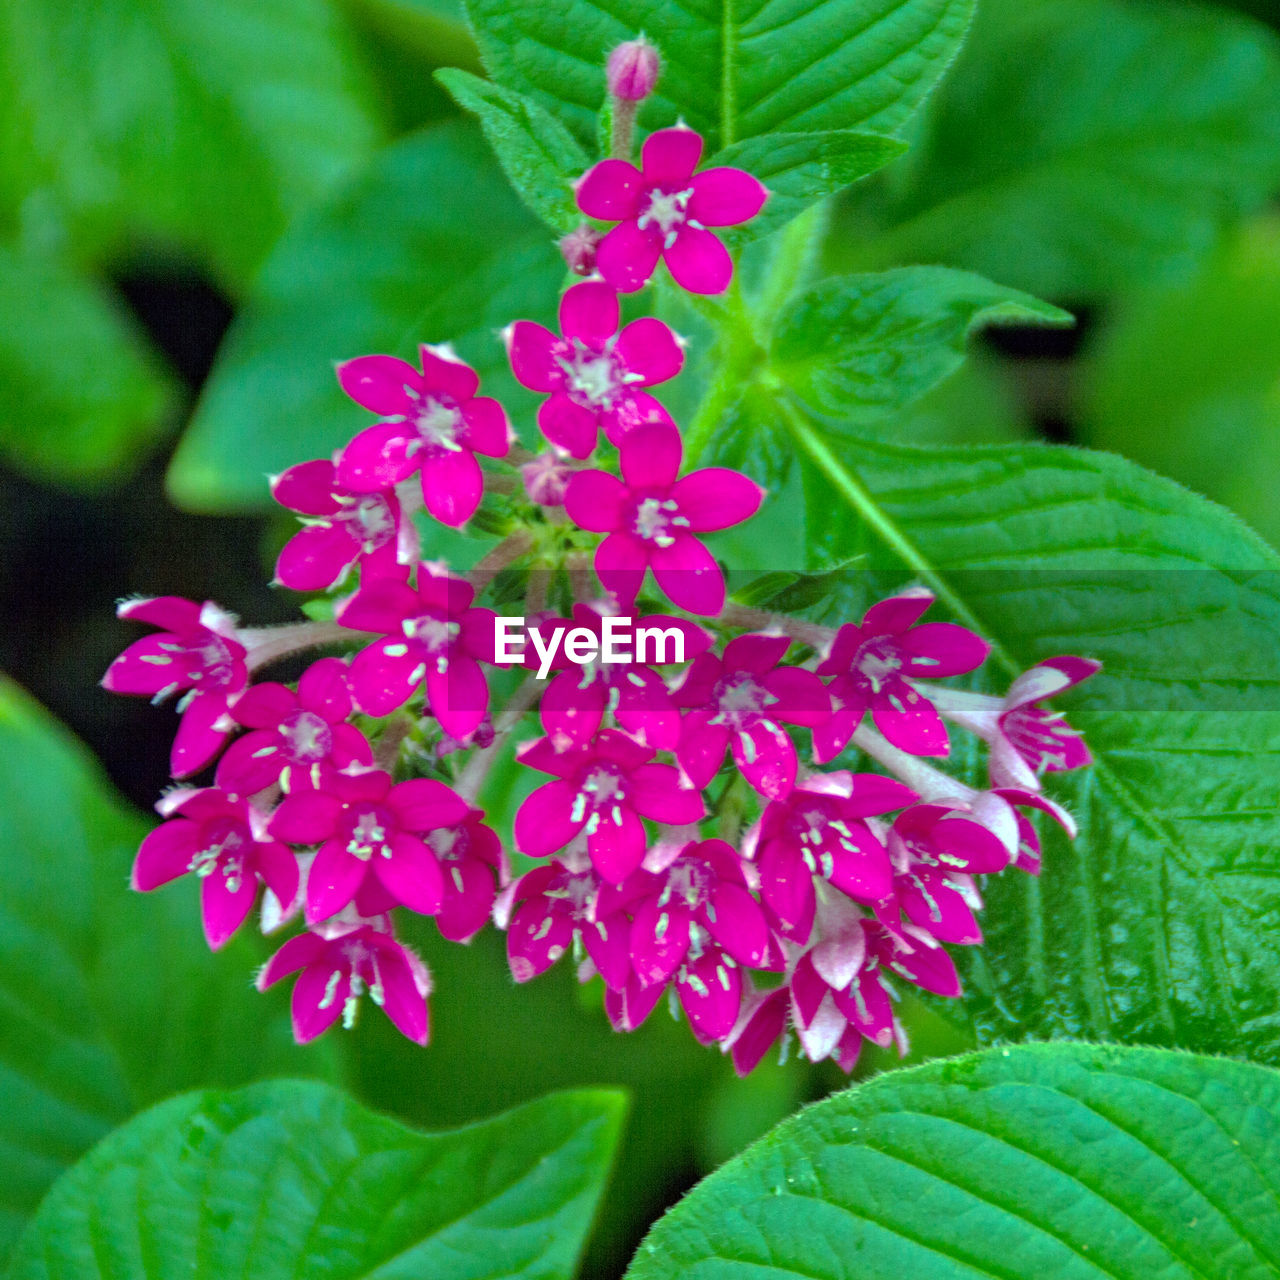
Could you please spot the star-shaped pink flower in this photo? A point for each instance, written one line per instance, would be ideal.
(594, 373)
(652, 518)
(663, 211)
(432, 421)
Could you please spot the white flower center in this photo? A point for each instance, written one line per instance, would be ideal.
(654, 519)
(438, 425)
(876, 660)
(371, 521)
(369, 836)
(591, 377)
(307, 736)
(741, 700)
(667, 210)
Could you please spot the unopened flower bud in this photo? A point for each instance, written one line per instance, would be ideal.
(578, 249)
(545, 479)
(632, 70)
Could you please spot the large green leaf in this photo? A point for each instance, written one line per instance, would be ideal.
(1070, 1161)
(863, 346)
(1081, 145)
(1185, 378)
(76, 426)
(289, 1178)
(1158, 923)
(108, 1000)
(429, 244)
(732, 70)
(205, 124)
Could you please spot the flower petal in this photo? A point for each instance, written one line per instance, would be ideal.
(443, 372)
(332, 881)
(295, 954)
(698, 261)
(735, 920)
(147, 666)
(468, 899)
(937, 649)
(609, 190)
(627, 256)
(532, 350)
(377, 458)
(669, 156)
(801, 698)
(318, 998)
(324, 689)
(536, 938)
(690, 576)
(165, 854)
(411, 874)
(458, 696)
(545, 823)
(650, 456)
(717, 498)
(423, 804)
(316, 557)
(656, 793)
(616, 846)
(649, 349)
(386, 675)
(378, 383)
(659, 940)
(305, 817)
(620, 564)
(908, 719)
(308, 488)
(589, 312)
(485, 428)
(568, 425)
(225, 901)
(711, 994)
(452, 485)
(200, 735)
(723, 197)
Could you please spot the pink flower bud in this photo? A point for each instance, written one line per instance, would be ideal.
(578, 249)
(632, 70)
(545, 479)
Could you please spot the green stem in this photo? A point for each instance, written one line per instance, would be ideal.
(740, 354)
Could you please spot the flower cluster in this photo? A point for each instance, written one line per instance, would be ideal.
(684, 838)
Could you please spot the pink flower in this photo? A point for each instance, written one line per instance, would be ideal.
(603, 790)
(434, 636)
(574, 703)
(762, 1020)
(1028, 855)
(224, 841)
(432, 422)
(651, 518)
(697, 923)
(819, 829)
(333, 973)
(593, 373)
(741, 702)
(873, 665)
(199, 652)
(555, 902)
(371, 842)
(837, 998)
(346, 528)
(1025, 738)
(296, 739)
(474, 865)
(664, 210)
(632, 70)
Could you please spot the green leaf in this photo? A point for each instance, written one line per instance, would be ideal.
(1157, 924)
(205, 125)
(109, 1000)
(539, 155)
(800, 168)
(865, 346)
(1070, 1161)
(1084, 145)
(1184, 378)
(428, 244)
(79, 427)
(289, 1178)
(732, 70)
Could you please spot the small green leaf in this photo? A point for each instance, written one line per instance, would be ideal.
(82, 396)
(428, 244)
(860, 347)
(1081, 146)
(204, 125)
(732, 70)
(287, 1179)
(800, 168)
(540, 156)
(110, 999)
(1065, 1160)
